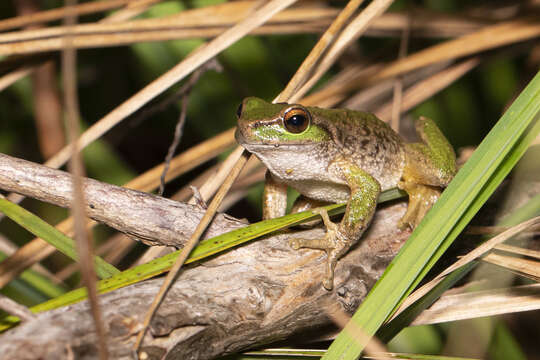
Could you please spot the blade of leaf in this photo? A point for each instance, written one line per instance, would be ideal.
(51, 235)
(39, 282)
(498, 176)
(421, 251)
(529, 210)
(205, 248)
(406, 317)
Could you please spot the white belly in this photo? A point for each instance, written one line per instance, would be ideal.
(324, 191)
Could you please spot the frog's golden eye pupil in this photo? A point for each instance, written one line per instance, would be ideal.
(296, 120)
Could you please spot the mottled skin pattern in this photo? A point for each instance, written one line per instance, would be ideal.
(339, 155)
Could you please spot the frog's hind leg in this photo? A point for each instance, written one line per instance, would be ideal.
(430, 166)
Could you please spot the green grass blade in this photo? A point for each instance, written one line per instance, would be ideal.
(504, 346)
(51, 235)
(498, 176)
(420, 252)
(391, 329)
(205, 249)
(528, 211)
(39, 282)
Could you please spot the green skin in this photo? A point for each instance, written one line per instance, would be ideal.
(342, 155)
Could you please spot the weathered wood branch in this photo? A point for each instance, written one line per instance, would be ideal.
(247, 297)
(152, 219)
(253, 295)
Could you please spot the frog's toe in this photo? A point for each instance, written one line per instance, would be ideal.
(421, 199)
(295, 243)
(328, 283)
(334, 243)
(409, 219)
(320, 244)
(330, 226)
(327, 243)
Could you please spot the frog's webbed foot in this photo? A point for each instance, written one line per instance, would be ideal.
(421, 199)
(334, 243)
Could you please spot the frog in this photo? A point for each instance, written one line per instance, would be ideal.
(342, 156)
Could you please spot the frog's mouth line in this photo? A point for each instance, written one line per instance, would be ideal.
(258, 145)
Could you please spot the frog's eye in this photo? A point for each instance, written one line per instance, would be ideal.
(296, 120)
(239, 110)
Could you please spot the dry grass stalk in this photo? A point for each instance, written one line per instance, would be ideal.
(37, 249)
(13, 76)
(60, 13)
(523, 267)
(221, 42)
(428, 87)
(216, 17)
(518, 250)
(352, 32)
(470, 305)
(210, 21)
(471, 256)
(84, 242)
(487, 38)
(46, 97)
(238, 164)
(398, 82)
(301, 75)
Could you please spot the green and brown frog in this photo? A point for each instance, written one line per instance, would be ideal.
(340, 155)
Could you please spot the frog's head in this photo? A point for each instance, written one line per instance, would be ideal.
(291, 140)
(261, 124)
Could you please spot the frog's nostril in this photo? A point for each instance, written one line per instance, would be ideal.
(239, 110)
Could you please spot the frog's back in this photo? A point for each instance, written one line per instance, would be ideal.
(369, 143)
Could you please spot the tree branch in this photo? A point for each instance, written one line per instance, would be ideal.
(250, 296)
(152, 219)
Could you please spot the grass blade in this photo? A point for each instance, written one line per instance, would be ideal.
(205, 249)
(38, 282)
(51, 235)
(468, 191)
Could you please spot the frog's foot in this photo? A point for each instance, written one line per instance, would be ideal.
(421, 199)
(303, 203)
(334, 243)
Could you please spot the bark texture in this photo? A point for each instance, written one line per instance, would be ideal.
(152, 219)
(250, 296)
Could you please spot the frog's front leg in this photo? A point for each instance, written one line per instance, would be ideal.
(274, 198)
(360, 208)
